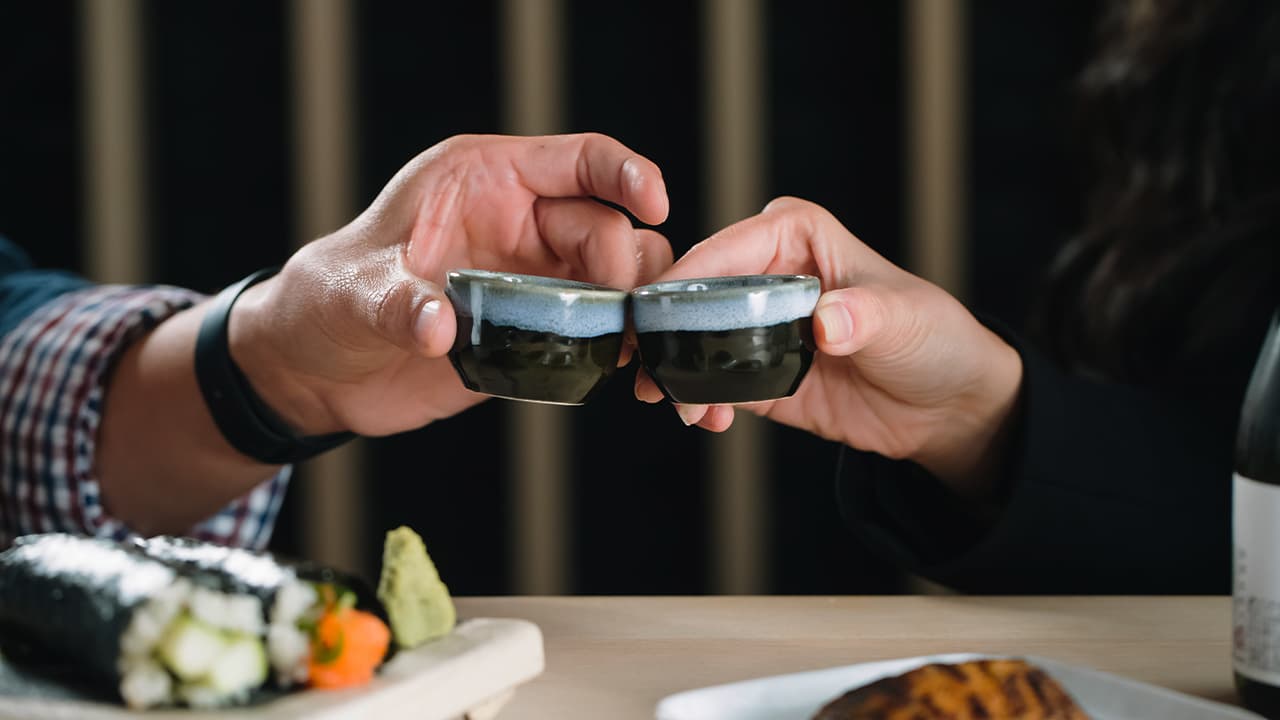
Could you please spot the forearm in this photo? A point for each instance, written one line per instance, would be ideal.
(57, 360)
(162, 463)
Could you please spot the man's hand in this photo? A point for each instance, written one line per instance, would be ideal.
(352, 334)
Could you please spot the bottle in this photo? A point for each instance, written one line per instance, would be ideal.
(1256, 521)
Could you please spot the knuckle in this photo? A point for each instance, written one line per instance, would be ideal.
(868, 305)
(787, 204)
(391, 306)
(657, 246)
(456, 142)
(448, 147)
(902, 330)
(444, 147)
(620, 225)
(776, 204)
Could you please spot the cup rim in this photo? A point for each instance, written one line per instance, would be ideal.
(520, 282)
(726, 286)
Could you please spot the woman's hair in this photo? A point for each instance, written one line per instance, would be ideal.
(1180, 108)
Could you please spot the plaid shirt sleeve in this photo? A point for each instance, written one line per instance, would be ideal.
(53, 366)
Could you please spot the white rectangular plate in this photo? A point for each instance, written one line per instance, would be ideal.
(800, 695)
(482, 659)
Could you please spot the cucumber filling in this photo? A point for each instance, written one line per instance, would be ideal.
(207, 649)
(198, 664)
(190, 647)
(242, 666)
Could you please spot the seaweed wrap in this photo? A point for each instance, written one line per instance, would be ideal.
(292, 596)
(126, 618)
(179, 621)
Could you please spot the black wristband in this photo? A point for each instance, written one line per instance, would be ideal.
(243, 418)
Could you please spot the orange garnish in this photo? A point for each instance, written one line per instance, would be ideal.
(348, 645)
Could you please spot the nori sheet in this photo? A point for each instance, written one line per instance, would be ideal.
(66, 600)
(69, 598)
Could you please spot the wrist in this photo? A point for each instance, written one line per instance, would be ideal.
(967, 453)
(258, 348)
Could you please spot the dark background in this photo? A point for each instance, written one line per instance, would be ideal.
(218, 178)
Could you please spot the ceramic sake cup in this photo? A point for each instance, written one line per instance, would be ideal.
(539, 339)
(727, 340)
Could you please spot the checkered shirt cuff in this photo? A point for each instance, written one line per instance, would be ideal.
(53, 370)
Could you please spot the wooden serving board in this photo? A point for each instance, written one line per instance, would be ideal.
(471, 672)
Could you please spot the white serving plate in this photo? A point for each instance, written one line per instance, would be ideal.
(798, 696)
(470, 672)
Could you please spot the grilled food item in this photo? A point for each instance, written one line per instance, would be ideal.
(976, 690)
(170, 621)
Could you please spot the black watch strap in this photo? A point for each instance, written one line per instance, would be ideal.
(242, 417)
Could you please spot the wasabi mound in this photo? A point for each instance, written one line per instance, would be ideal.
(417, 601)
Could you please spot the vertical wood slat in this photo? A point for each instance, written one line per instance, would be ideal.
(937, 91)
(324, 200)
(936, 157)
(115, 152)
(539, 466)
(734, 138)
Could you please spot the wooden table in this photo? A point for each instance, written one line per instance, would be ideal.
(616, 657)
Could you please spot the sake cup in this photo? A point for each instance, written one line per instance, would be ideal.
(539, 339)
(726, 340)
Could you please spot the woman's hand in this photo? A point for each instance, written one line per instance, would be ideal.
(903, 369)
(352, 334)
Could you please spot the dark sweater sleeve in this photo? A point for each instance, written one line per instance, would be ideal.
(23, 289)
(1107, 489)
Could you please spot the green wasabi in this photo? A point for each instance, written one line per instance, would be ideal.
(417, 601)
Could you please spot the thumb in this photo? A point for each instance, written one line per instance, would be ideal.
(847, 320)
(414, 315)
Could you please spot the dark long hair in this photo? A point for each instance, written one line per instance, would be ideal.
(1178, 260)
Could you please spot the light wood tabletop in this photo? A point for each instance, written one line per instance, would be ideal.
(616, 657)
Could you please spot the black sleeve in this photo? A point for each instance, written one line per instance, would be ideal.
(1107, 489)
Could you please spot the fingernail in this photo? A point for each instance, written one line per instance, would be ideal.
(631, 171)
(690, 414)
(426, 322)
(646, 392)
(837, 326)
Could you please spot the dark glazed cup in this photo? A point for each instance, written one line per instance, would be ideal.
(727, 340)
(541, 339)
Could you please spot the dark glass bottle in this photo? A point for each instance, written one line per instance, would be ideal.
(1256, 575)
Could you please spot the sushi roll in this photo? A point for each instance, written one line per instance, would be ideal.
(127, 619)
(294, 598)
(178, 621)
